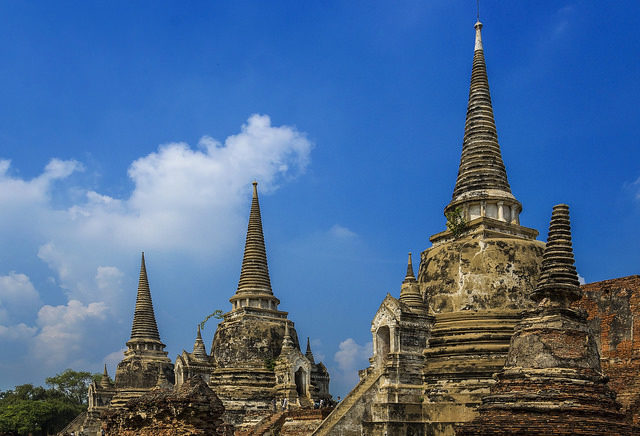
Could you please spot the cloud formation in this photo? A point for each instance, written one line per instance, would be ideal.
(17, 297)
(350, 358)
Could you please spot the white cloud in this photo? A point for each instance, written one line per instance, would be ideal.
(18, 332)
(351, 355)
(581, 280)
(341, 232)
(185, 198)
(112, 360)
(17, 296)
(636, 186)
(63, 330)
(350, 358)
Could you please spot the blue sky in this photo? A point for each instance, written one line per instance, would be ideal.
(129, 127)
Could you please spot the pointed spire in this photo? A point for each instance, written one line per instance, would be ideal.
(410, 277)
(309, 354)
(287, 341)
(105, 381)
(558, 284)
(199, 349)
(482, 173)
(410, 291)
(255, 271)
(478, 27)
(144, 320)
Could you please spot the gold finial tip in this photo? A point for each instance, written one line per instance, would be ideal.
(254, 183)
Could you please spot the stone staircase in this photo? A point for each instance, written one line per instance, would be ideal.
(74, 425)
(265, 424)
(345, 405)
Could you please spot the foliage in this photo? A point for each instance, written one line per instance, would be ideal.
(40, 411)
(217, 314)
(456, 222)
(73, 384)
(270, 364)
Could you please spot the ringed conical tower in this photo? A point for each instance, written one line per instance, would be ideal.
(479, 273)
(145, 358)
(255, 349)
(552, 382)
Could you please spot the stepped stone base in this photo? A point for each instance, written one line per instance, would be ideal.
(244, 392)
(528, 403)
(551, 383)
(465, 350)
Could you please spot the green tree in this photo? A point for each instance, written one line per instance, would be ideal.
(73, 384)
(456, 222)
(36, 410)
(40, 411)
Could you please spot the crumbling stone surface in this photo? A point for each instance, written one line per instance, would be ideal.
(142, 372)
(613, 308)
(477, 273)
(192, 409)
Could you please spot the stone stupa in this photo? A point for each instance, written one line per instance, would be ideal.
(552, 382)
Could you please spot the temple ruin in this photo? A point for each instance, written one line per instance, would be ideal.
(493, 336)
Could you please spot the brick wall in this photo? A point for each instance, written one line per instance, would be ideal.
(614, 314)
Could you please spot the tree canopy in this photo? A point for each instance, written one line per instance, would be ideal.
(40, 411)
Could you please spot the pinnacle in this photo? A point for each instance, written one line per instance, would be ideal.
(481, 166)
(309, 354)
(410, 292)
(287, 341)
(144, 320)
(410, 277)
(558, 277)
(105, 381)
(255, 271)
(199, 349)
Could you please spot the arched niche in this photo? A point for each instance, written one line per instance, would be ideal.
(301, 381)
(383, 344)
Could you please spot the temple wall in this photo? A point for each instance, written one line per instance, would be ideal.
(614, 315)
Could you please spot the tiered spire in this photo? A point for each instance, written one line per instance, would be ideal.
(255, 271)
(287, 342)
(558, 283)
(482, 174)
(410, 291)
(144, 320)
(199, 349)
(309, 354)
(105, 381)
(410, 277)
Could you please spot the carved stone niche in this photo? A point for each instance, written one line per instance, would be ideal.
(385, 331)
